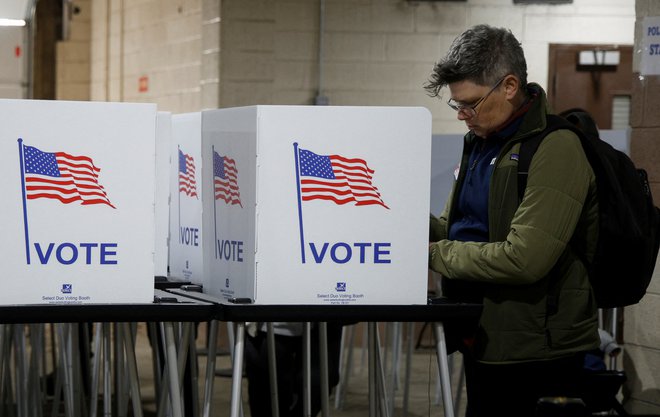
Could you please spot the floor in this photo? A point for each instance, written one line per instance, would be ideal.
(423, 397)
(28, 380)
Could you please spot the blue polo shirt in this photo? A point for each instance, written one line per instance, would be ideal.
(470, 220)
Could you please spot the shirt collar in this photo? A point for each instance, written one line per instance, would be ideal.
(512, 124)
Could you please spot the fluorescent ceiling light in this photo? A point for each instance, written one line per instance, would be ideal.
(12, 22)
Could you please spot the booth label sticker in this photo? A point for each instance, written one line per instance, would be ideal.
(66, 296)
(340, 295)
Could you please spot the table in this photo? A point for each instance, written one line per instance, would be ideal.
(167, 308)
(437, 311)
(180, 305)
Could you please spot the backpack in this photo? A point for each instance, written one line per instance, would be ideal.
(629, 222)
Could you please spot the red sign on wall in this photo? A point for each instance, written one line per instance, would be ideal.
(143, 84)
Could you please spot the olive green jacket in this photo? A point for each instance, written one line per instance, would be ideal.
(540, 304)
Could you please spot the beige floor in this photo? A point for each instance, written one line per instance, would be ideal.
(423, 398)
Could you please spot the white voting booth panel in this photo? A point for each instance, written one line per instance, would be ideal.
(162, 196)
(316, 204)
(78, 202)
(185, 243)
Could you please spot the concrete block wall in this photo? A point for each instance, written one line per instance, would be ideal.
(381, 52)
(642, 328)
(210, 53)
(210, 66)
(72, 66)
(148, 51)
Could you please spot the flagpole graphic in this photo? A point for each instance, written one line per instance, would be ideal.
(178, 155)
(215, 220)
(25, 218)
(300, 219)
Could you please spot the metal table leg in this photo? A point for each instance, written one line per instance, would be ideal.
(129, 346)
(409, 353)
(192, 360)
(96, 370)
(175, 390)
(65, 369)
(373, 381)
(272, 370)
(107, 371)
(237, 369)
(210, 368)
(307, 370)
(380, 372)
(21, 369)
(323, 358)
(347, 342)
(443, 364)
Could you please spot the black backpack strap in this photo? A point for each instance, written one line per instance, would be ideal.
(527, 150)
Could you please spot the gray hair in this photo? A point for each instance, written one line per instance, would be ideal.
(482, 54)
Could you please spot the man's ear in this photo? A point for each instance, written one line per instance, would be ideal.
(511, 86)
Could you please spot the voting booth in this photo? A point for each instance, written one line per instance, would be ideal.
(162, 192)
(316, 204)
(78, 200)
(185, 241)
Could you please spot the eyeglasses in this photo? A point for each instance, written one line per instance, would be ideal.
(469, 111)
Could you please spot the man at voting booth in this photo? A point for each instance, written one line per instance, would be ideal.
(521, 256)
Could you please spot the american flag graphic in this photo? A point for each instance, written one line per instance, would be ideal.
(63, 177)
(187, 184)
(338, 179)
(225, 179)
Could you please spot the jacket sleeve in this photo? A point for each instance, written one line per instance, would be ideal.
(557, 187)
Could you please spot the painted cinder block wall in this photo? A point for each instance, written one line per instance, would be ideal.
(224, 53)
(73, 62)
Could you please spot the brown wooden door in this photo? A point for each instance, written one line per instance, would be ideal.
(587, 85)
